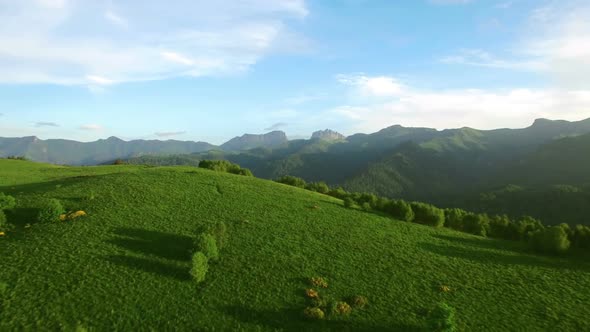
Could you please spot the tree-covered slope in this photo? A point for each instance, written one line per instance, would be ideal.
(126, 265)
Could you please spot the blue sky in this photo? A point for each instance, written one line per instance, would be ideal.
(212, 70)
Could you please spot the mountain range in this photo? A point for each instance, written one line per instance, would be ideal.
(496, 171)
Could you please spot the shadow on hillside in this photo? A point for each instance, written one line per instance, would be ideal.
(485, 243)
(22, 216)
(153, 243)
(487, 257)
(151, 266)
(41, 187)
(292, 320)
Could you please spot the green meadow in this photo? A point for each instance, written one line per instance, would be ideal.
(125, 266)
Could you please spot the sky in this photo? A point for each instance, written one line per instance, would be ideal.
(211, 70)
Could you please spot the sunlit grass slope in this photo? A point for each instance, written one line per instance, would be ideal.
(126, 266)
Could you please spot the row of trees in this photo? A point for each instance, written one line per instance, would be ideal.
(224, 166)
(546, 239)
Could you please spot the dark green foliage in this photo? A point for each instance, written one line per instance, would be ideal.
(359, 301)
(580, 236)
(523, 228)
(3, 289)
(292, 181)
(7, 202)
(399, 210)
(477, 224)
(320, 187)
(313, 313)
(338, 192)
(200, 266)
(50, 211)
(551, 240)
(428, 214)
(207, 244)
(3, 222)
(500, 227)
(454, 218)
(224, 166)
(442, 319)
(348, 202)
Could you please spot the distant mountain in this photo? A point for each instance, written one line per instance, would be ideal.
(249, 141)
(68, 152)
(328, 135)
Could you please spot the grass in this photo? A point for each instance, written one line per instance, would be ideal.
(126, 265)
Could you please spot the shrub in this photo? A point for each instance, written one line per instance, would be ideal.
(500, 227)
(338, 193)
(7, 202)
(319, 282)
(454, 218)
(224, 166)
(341, 308)
(476, 224)
(292, 181)
(50, 211)
(359, 301)
(442, 318)
(427, 214)
(312, 293)
(200, 267)
(3, 222)
(551, 240)
(348, 202)
(207, 245)
(580, 236)
(400, 210)
(320, 187)
(3, 288)
(313, 313)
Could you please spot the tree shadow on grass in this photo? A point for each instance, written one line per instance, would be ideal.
(19, 217)
(292, 320)
(486, 257)
(485, 243)
(157, 246)
(151, 266)
(154, 243)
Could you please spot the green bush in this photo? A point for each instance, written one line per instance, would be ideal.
(313, 313)
(338, 192)
(341, 308)
(454, 218)
(476, 224)
(580, 236)
(200, 267)
(427, 214)
(224, 166)
(50, 211)
(442, 319)
(400, 210)
(359, 301)
(207, 245)
(320, 187)
(348, 202)
(551, 240)
(3, 222)
(7, 202)
(292, 181)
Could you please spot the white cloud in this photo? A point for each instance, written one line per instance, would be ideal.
(378, 86)
(482, 109)
(555, 42)
(115, 19)
(450, 2)
(91, 127)
(170, 133)
(75, 41)
(99, 80)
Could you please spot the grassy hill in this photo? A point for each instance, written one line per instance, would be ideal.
(126, 265)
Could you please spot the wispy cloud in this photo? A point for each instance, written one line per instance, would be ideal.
(276, 126)
(170, 133)
(555, 42)
(478, 108)
(91, 127)
(63, 42)
(450, 2)
(46, 124)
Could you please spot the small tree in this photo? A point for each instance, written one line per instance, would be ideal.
(442, 318)
(400, 210)
(454, 218)
(50, 211)
(428, 214)
(208, 246)
(348, 202)
(292, 181)
(200, 267)
(7, 202)
(551, 240)
(476, 224)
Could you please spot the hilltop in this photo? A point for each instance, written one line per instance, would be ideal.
(126, 264)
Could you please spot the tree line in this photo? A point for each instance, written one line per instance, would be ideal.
(541, 238)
